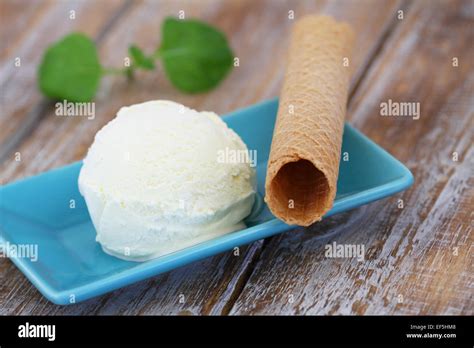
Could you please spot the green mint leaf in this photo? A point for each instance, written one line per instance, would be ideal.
(196, 56)
(140, 59)
(70, 69)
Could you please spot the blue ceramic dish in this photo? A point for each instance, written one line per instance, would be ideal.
(71, 266)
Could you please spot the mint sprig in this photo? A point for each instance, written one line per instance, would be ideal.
(70, 69)
(195, 56)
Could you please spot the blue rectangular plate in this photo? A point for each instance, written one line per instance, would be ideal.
(72, 265)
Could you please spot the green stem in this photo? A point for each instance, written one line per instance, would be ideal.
(129, 72)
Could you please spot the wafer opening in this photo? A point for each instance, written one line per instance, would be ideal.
(301, 191)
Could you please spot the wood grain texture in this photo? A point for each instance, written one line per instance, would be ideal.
(15, 16)
(419, 258)
(258, 33)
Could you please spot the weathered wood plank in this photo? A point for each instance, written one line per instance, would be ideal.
(18, 18)
(419, 258)
(257, 31)
(21, 104)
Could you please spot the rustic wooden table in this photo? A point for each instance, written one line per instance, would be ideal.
(419, 257)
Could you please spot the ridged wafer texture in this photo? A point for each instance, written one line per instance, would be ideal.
(304, 159)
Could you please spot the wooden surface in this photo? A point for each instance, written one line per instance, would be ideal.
(418, 259)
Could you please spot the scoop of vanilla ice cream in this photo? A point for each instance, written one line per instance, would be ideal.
(154, 180)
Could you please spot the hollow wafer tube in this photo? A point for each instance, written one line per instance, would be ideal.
(304, 159)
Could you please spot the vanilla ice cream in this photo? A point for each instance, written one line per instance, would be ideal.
(153, 182)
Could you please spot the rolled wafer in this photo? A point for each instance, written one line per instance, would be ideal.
(303, 166)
